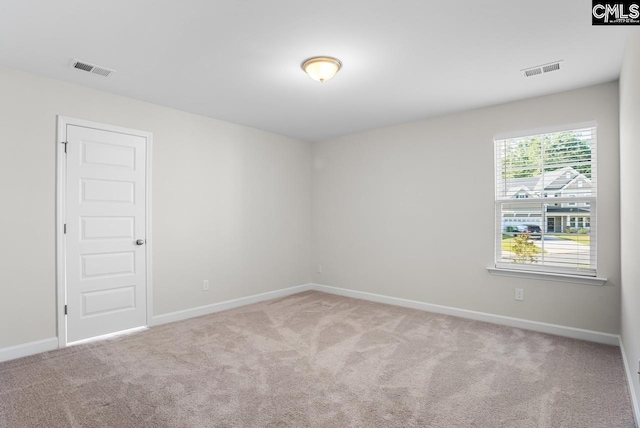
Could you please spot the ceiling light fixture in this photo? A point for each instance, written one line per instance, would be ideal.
(321, 68)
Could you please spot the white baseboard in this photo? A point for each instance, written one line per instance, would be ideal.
(50, 344)
(26, 349)
(576, 333)
(228, 304)
(558, 330)
(632, 391)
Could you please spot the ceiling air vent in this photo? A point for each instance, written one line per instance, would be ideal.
(533, 71)
(551, 67)
(542, 69)
(91, 68)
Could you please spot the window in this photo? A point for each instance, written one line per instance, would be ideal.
(559, 233)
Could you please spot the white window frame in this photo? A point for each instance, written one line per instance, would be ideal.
(547, 272)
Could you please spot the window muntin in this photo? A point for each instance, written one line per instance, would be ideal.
(538, 234)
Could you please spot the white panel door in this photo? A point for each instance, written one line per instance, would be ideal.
(105, 215)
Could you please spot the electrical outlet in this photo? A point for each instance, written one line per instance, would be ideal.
(205, 285)
(519, 294)
(319, 270)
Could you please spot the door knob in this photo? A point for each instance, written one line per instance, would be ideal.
(140, 242)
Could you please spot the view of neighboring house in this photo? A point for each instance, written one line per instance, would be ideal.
(565, 217)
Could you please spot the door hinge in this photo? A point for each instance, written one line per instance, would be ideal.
(65, 146)
(65, 309)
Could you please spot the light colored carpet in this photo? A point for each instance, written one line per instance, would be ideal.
(319, 360)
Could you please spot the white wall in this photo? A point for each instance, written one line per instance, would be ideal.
(408, 211)
(230, 204)
(630, 204)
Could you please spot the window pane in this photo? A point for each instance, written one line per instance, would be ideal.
(521, 225)
(548, 165)
(551, 235)
(569, 243)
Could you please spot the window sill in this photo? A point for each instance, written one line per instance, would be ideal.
(546, 276)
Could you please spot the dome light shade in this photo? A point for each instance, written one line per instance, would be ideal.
(321, 68)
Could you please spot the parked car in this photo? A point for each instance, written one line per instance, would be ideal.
(532, 229)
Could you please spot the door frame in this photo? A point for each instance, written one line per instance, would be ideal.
(61, 185)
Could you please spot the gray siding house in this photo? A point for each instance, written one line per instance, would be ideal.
(558, 217)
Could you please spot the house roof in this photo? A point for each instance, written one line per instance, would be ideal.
(556, 180)
(552, 181)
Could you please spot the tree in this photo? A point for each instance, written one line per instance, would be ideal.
(525, 157)
(522, 158)
(524, 249)
(567, 149)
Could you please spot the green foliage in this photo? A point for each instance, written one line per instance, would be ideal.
(582, 231)
(524, 249)
(524, 157)
(567, 148)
